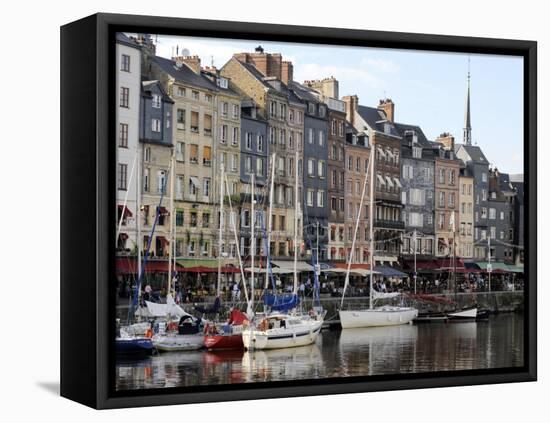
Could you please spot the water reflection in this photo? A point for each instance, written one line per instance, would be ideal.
(352, 352)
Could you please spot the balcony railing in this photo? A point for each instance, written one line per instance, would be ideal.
(389, 224)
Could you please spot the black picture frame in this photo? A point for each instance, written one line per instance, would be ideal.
(87, 192)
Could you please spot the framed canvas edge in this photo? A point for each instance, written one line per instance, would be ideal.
(105, 170)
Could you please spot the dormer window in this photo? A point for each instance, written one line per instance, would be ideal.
(387, 128)
(156, 101)
(223, 82)
(417, 152)
(311, 108)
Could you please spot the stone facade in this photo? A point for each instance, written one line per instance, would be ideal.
(466, 221)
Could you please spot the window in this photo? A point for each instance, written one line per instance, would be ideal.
(408, 172)
(194, 153)
(248, 140)
(416, 219)
(441, 199)
(236, 111)
(417, 196)
(195, 95)
(311, 108)
(195, 122)
(205, 220)
(281, 166)
(179, 217)
(320, 198)
(451, 199)
(123, 135)
(310, 135)
(208, 98)
(235, 137)
(223, 134)
(501, 215)
(321, 168)
(180, 115)
(259, 166)
(234, 161)
(291, 166)
(333, 204)
(310, 197)
(272, 109)
(282, 223)
(451, 177)
(358, 165)
(155, 125)
(125, 63)
(157, 100)
(207, 155)
(341, 204)
(161, 181)
(310, 167)
(282, 111)
(146, 180)
(484, 212)
(207, 125)
(417, 152)
(179, 187)
(206, 187)
(334, 179)
(441, 221)
(248, 164)
(289, 196)
(441, 176)
(272, 135)
(484, 177)
(321, 138)
(291, 115)
(260, 142)
(492, 213)
(291, 139)
(493, 232)
(484, 195)
(180, 92)
(124, 97)
(350, 162)
(122, 176)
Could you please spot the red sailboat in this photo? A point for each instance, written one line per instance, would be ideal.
(226, 336)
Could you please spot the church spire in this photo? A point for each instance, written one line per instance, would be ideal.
(467, 139)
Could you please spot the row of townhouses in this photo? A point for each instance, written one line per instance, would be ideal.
(180, 123)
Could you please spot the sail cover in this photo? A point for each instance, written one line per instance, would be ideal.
(163, 310)
(384, 295)
(281, 302)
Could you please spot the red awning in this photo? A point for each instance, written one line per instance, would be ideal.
(340, 265)
(123, 236)
(422, 264)
(128, 265)
(200, 269)
(447, 263)
(163, 211)
(230, 269)
(125, 210)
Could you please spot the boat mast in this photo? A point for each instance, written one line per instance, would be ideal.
(171, 238)
(371, 223)
(414, 243)
(270, 223)
(350, 257)
(220, 234)
(252, 242)
(138, 215)
(296, 225)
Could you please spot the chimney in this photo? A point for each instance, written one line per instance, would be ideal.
(352, 101)
(388, 107)
(447, 140)
(287, 72)
(193, 62)
(328, 87)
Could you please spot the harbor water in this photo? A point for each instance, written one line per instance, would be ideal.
(417, 348)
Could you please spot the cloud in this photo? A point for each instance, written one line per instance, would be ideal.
(344, 74)
(381, 65)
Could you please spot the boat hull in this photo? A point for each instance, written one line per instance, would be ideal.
(384, 316)
(224, 342)
(134, 346)
(178, 342)
(275, 339)
(468, 314)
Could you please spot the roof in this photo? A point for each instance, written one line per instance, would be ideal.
(401, 128)
(376, 118)
(184, 74)
(146, 90)
(122, 38)
(475, 153)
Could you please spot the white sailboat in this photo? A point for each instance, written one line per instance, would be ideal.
(379, 316)
(284, 330)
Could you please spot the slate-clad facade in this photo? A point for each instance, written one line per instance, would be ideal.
(478, 165)
(417, 194)
(156, 137)
(501, 217)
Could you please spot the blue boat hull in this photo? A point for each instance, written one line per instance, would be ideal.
(137, 346)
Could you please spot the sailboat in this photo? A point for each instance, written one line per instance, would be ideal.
(283, 330)
(227, 335)
(380, 316)
(134, 339)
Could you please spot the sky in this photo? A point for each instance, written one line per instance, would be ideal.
(428, 88)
